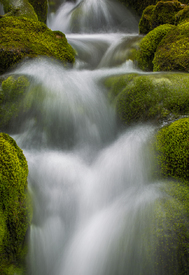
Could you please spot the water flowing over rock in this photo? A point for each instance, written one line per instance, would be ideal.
(101, 205)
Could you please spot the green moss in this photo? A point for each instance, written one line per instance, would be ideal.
(40, 8)
(172, 145)
(182, 16)
(11, 95)
(19, 8)
(172, 53)
(21, 38)
(145, 23)
(14, 204)
(155, 97)
(171, 222)
(149, 44)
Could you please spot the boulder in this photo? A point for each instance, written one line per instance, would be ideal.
(15, 207)
(153, 98)
(25, 38)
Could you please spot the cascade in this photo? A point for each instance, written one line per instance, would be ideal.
(90, 179)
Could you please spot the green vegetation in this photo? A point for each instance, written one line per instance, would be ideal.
(149, 44)
(15, 211)
(19, 8)
(22, 37)
(40, 8)
(156, 97)
(172, 145)
(11, 94)
(172, 53)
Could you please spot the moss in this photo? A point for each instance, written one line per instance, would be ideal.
(19, 8)
(172, 53)
(145, 23)
(156, 97)
(182, 16)
(21, 38)
(171, 223)
(149, 44)
(155, 15)
(13, 204)
(172, 144)
(139, 6)
(40, 8)
(11, 94)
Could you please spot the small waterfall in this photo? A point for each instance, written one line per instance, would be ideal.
(89, 16)
(96, 205)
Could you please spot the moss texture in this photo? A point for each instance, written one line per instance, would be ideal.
(22, 37)
(163, 12)
(172, 53)
(171, 223)
(156, 98)
(14, 206)
(11, 94)
(19, 8)
(40, 7)
(149, 44)
(172, 145)
(139, 5)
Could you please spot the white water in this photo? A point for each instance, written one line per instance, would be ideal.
(91, 181)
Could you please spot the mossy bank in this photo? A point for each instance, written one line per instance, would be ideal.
(24, 38)
(15, 209)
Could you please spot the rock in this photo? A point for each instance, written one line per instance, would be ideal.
(15, 207)
(19, 8)
(172, 53)
(154, 98)
(148, 46)
(163, 12)
(40, 8)
(172, 145)
(24, 38)
(11, 94)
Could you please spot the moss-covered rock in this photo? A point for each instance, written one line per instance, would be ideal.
(182, 16)
(139, 5)
(19, 8)
(40, 8)
(170, 223)
(15, 211)
(163, 12)
(149, 44)
(11, 94)
(155, 97)
(172, 53)
(172, 145)
(22, 37)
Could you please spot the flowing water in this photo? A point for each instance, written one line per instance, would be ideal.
(90, 179)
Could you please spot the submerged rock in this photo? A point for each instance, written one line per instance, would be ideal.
(24, 38)
(154, 97)
(15, 209)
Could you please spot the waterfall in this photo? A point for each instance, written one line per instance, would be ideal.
(91, 180)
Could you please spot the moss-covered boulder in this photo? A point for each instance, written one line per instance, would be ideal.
(15, 211)
(154, 97)
(24, 38)
(172, 53)
(12, 91)
(19, 8)
(148, 46)
(172, 145)
(40, 8)
(139, 5)
(163, 12)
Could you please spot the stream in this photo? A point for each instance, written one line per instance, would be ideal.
(90, 178)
